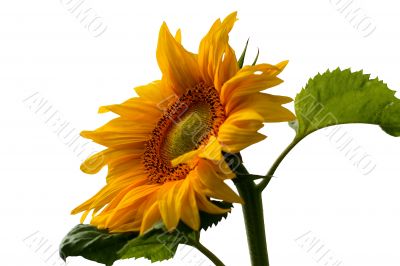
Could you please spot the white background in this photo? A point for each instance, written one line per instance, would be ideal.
(47, 53)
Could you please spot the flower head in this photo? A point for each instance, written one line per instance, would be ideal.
(164, 151)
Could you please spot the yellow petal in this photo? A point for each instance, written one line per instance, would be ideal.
(270, 107)
(207, 206)
(186, 157)
(251, 79)
(129, 125)
(170, 207)
(134, 184)
(214, 185)
(150, 218)
(123, 168)
(94, 163)
(135, 194)
(212, 151)
(119, 139)
(178, 36)
(156, 92)
(104, 196)
(202, 193)
(97, 161)
(234, 138)
(131, 207)
(227, 68)
(135, 108)
(108, 194)
(260, 102)
(224, 171)
(206, 58)
(190, 212)
(217, 59)
(128, 227)
(178, 66)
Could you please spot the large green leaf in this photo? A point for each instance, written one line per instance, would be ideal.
(104, 247)
(93, 244)
(158, 244)
(342, 97)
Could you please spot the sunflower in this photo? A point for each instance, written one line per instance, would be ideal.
(164, 151)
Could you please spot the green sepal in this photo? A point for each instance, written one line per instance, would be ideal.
(243, 55)
(256, 59)
(207, 220)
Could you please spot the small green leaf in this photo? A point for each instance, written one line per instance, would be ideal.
(208, 220)
(343, 97)
(157, 244)
(243, 55)
(93, 244)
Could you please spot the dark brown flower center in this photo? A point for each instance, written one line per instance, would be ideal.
(186, 124)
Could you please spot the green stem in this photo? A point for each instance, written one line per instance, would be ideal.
(206, 252)
(253, 214)
(263, 184)
(253, 211)
(254, 221)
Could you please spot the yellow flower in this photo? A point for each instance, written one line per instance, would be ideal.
(164, 151)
